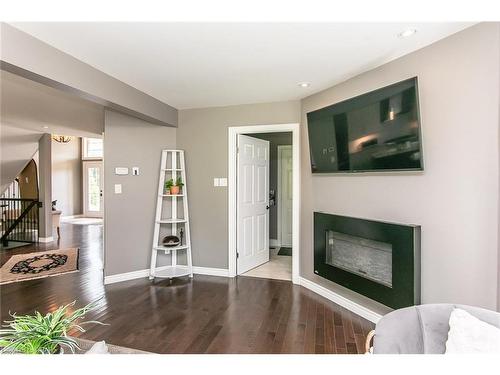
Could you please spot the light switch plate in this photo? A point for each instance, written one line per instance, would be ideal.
(135, 171)
(122, 171)
(216, 181)
(118, 188)
(223, 181)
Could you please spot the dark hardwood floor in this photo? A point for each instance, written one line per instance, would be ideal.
(205, 315)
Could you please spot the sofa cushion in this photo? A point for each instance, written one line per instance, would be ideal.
(421, 329)
(470, 335)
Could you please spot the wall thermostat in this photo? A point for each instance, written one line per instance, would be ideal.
(121, 171)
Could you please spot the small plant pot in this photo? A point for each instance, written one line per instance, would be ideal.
(174, 190)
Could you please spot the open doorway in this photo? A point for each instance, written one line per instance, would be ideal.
(278, 178)
(77, 181)
(73, 185)
(77, 196)
(263, 201)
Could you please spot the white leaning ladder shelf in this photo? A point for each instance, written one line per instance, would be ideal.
(167, 221)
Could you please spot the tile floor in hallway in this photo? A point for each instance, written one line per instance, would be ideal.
(279, 267)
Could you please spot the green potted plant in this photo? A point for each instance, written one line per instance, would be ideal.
(178, 185)
(38, 334)
(168, 186)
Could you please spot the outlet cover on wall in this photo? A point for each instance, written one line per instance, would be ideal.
(118, 188)
(220, 181)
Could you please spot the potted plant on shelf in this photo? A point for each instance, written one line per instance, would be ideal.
(38, 334)
(178, 185)
(169, 184)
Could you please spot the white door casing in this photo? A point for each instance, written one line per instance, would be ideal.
(93, 188)
(252, 203)
(232, 187)
(285, 194)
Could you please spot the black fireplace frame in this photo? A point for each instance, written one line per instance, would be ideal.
(405, 241)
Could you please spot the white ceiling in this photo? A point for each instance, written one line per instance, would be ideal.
(190, 65)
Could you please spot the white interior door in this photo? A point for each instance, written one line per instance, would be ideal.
(285, 197)
(92, 188)
(252, 234)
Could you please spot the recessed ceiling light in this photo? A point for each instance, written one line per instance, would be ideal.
(45, 127)
(406, 33)
(304, 84)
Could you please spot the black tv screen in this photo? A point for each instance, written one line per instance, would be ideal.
(377, 131)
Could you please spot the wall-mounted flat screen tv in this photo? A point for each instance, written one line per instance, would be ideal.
(377, 131)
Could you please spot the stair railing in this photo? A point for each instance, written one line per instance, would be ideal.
(19, 220)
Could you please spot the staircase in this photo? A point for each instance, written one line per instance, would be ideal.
(19, 211)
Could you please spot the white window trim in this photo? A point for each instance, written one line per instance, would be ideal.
(84, 150)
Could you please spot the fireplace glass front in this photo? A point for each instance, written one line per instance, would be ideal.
(364, 257)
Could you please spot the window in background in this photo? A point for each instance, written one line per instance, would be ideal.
(92, 148)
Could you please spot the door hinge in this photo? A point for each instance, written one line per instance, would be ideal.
(237, 255)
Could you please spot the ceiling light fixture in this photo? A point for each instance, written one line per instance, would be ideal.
(45, 127)
(62, 138)
(304, 84)
(406, 33)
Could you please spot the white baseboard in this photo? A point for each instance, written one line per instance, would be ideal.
(340, 300)
(72, 216)
(111, 279)
(211, 271)
(274, 243)
(45, 239)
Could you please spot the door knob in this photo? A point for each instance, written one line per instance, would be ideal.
(267, 207)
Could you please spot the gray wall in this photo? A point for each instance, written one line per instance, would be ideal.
(275, 140)
(456, 198)
(67, 176)
(129, 217)
(203, 134)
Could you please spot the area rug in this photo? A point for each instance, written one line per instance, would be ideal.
(31, 266)
(285, 251)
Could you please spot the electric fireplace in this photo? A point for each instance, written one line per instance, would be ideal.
(379, 260)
